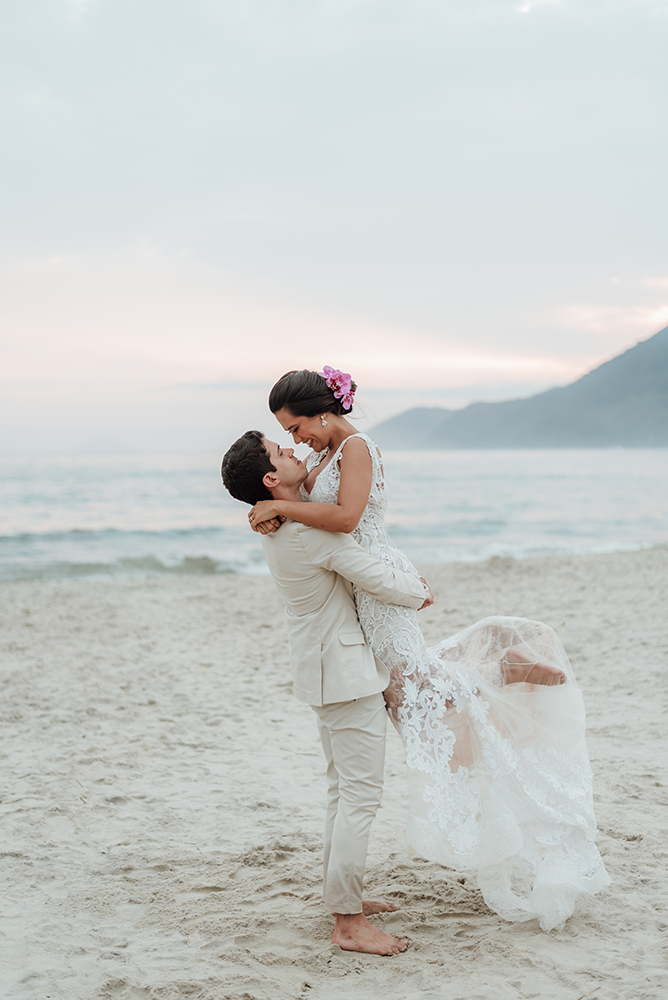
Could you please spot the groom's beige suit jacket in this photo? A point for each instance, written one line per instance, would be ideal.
(315, 571)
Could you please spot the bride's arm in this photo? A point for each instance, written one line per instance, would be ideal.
(344, 515)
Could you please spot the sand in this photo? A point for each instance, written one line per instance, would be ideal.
(164, 795)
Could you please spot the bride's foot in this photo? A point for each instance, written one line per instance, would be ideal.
(517, 668)
(371, 906)
(353, 932)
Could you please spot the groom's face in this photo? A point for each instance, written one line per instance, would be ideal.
(289, 470)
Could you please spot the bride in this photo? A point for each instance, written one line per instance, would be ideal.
(492, 718)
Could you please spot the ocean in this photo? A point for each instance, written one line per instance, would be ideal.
(110, 515)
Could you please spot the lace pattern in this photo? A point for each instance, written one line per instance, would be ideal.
(499, 777)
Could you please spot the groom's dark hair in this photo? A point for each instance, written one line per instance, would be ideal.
(244, 467)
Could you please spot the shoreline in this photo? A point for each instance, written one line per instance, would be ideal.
(166, 796)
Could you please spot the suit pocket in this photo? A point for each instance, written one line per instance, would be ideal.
(351, 637)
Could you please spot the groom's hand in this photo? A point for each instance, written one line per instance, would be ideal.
(266, 527)
(430, 599)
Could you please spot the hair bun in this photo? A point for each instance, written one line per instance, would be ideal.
(307, 393)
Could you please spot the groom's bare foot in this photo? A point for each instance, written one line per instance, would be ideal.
(517, 667)
(371, 906)
(353, 932)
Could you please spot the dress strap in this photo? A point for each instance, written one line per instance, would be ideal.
(337, 453)
(373, 450)
(376, 461)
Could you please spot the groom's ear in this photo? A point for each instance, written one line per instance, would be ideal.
(270, 480)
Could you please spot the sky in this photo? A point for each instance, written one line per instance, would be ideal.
(451, 199)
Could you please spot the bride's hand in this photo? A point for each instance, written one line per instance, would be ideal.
(263, 511)
(430, 599)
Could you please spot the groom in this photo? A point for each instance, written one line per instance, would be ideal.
(334, 671)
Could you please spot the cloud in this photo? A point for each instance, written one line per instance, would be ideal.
(620, 323)
(530, 5)
(152, 318)
(655, 282)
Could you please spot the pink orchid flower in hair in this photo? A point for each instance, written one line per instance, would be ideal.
(341, 385)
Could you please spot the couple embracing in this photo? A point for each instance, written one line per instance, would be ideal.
(492, 719)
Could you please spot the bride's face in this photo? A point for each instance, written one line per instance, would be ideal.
(306, 430)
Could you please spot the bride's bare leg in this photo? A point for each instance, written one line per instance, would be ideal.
(518, 667)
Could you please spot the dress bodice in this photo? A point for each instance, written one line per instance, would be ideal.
(370, 532)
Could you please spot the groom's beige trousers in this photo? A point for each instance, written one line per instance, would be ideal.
(353, 738)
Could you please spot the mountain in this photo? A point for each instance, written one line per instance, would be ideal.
(623, 402)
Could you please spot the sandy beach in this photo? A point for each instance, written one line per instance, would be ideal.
(163, 798)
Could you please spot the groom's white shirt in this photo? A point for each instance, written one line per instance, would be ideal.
(314, 571)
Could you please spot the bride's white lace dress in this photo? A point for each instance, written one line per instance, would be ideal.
(499, 778)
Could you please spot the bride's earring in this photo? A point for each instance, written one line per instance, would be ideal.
(322, 420)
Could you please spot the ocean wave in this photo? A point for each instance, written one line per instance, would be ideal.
(148, 565)
(105, 552)
(94, 534)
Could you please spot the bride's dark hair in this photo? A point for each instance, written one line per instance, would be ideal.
(305, 394)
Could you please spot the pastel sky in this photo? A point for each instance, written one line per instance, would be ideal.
(451, 199)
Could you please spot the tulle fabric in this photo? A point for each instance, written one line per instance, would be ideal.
(499, 779)
(499, 776)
